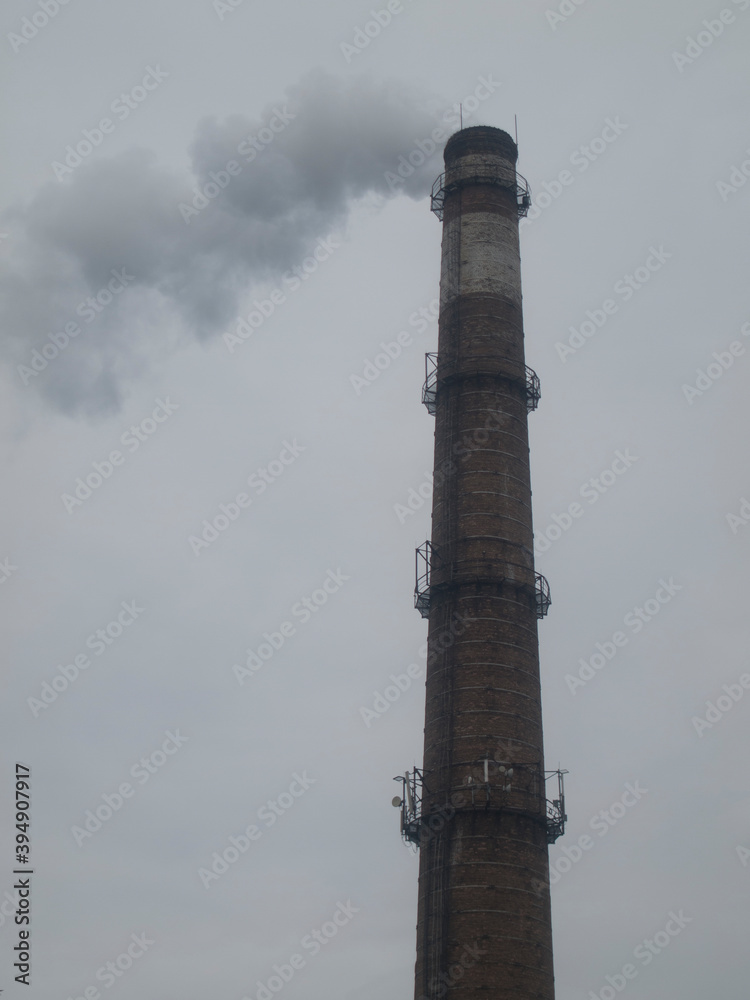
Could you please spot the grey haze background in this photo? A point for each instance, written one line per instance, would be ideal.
(333, 509)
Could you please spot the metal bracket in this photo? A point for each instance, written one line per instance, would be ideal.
(424, 556)
(429, 389)
(556, 808)
(543, 598)
(410, 804)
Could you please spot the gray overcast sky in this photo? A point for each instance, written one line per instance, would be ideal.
(625, 147)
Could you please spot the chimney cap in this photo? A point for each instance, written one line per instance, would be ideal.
(480, 139)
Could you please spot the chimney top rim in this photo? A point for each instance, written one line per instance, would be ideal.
(462, 142)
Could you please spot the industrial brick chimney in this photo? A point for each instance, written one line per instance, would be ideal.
(478, 808)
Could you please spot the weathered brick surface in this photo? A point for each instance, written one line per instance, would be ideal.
(483, 866)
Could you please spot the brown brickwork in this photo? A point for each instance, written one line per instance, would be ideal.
(484, 929)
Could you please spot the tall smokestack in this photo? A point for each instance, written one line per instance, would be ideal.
(478, 808)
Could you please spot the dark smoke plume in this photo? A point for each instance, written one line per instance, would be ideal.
(166, 257)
